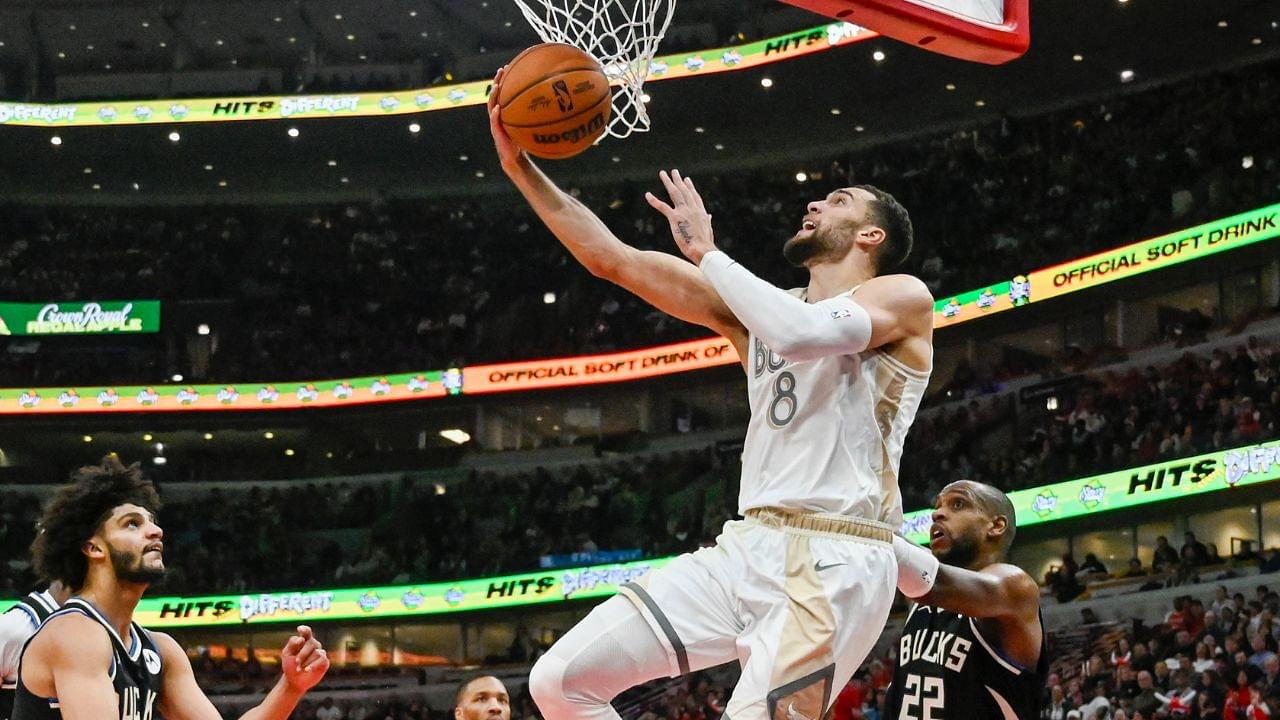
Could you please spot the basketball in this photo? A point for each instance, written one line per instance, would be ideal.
(554, 100)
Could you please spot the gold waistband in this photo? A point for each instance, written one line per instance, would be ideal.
(821, 522)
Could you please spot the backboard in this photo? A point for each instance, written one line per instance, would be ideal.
(985, 31)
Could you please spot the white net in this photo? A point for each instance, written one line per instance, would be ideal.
(622, 34)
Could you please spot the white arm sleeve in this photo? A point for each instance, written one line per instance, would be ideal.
(917, 568)
(792, 328)
(15, 628)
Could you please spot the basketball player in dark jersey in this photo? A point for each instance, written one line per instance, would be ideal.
(89, 660)
(973, 646)
(17, 625)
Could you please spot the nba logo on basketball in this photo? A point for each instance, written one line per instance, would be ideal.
(563, 97)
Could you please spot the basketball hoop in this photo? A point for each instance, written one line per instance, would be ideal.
(622, 34)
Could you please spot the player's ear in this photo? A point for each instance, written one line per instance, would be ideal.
(94, 547)
(871, 235)
(999, 526)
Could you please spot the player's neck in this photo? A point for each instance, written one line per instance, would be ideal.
(115, 600)
(827, 280)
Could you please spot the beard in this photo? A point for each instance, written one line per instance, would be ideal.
(962, 553)
(819, 245)
(130, 568)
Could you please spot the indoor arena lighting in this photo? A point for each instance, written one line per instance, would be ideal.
(175, 136)
(801, 177)
(289, 452)
(269, 435)
(208, 436)
(177, 377)
(415, 128)
(55, 140)
(202, 329)
(878, 56)
(1126, 75)
(1246, 162)
(456, 435)
(159, 460)
(548, 298)
(293, 132)
(88, 438)
(147, 437)
(766, 82)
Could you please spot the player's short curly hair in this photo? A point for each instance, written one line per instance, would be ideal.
(78, 510)
(899, 235)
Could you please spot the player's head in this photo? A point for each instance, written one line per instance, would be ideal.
(105, 518)
(862, 217)
(972, 523)
(483, 697)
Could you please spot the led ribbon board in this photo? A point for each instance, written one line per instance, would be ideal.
(1162, 482)
(1116, 264)
(1123, 262)
(441, 97)
(109, 317)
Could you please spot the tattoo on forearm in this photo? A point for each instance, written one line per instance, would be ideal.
(683, 228)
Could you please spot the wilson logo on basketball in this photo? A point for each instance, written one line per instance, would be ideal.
(572, 135)
(563, 97)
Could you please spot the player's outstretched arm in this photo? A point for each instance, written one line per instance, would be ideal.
(662, 280)
(887, 310)
(997, 591)
(69, 660)
(303, 660)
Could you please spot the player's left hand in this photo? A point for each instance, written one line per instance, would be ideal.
(304, 660)
(690, 222)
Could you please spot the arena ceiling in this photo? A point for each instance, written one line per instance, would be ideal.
(702, 124)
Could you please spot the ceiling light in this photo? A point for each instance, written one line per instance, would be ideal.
(645, 97)
(222, 183)
(160, 447)
(1256, 41)
(1222, 23)
(951, 86)
(1246, 162)
(415, 128)
(1077, 57)
(346, 180)
(858, 128)
(88, 438)
(136, 186)
(88, 47)
(159, 460)
(351, 37)
(293, 39)
(289, 452)
(835, 111)
(175, 136)
(202, 329)
(719, 146)
(269, 435)
(337, 16)
(146, 24)
(177, 377)
(219, 43)
(878, 56)
(479, 173)
(699, 130)
(548, 298)
(1126, 75)
(801, 177)
(208, 436)
(96, 186)
(615, 158)
(980, 103)
(766, 82)
(278, 18)
(455, 435)
(293, 132)
(88, 171)
(107, 66)
(55, 140)
(62, 55)
(147, 437)
(413, 13)
(208, 167)
(333, 163)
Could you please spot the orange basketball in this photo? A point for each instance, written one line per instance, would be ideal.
(554, 100)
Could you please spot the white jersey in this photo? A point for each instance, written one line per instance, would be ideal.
(826, 435)
(17, 625)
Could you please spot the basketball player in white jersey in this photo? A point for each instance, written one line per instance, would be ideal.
(799, 590)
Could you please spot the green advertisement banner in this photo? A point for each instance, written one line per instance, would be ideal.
(377, 104)
(1115, 264)
(1172, 480)
(398, 601)
(108, 317)
(1161, 482)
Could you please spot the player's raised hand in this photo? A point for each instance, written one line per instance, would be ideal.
(690, 222)
(509, 154)
(304, 660)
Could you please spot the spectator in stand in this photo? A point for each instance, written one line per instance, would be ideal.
(1146, 700)
(1263, 650)
(1058, 705)
(1135, 569)
(1178, 703)
(1193, 551)
(1166, 558)
(1092, 566)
